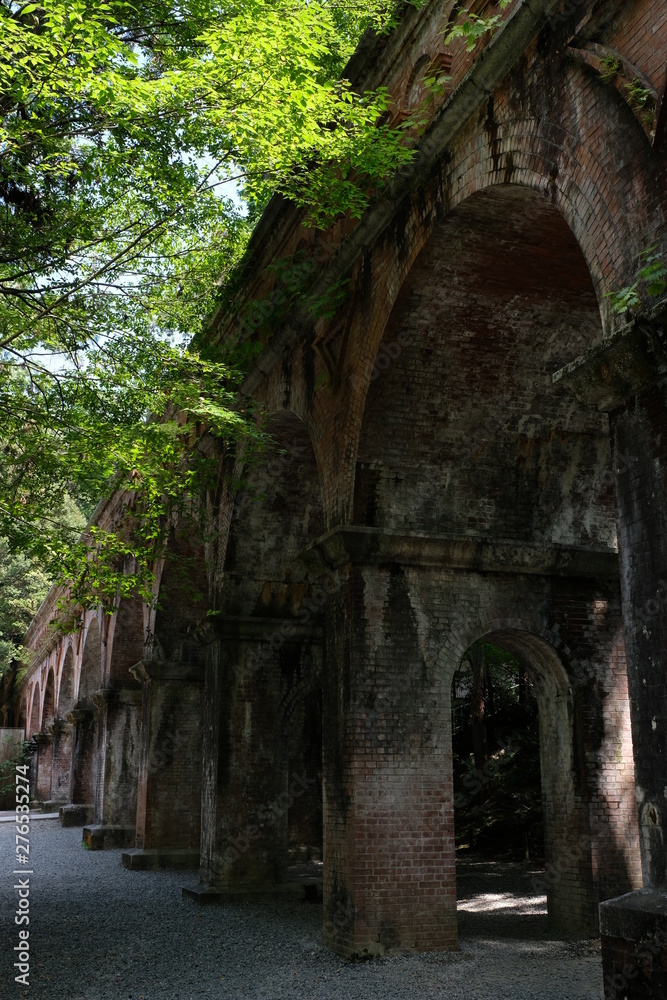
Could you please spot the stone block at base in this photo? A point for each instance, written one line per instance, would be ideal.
(52, 806)
(142, 860)
(206, 894)
(100, 838)
(76, 815)
(633, 929)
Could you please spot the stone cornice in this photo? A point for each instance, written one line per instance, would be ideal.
(373, 546)
(167, 670)
(253, 628)
(617, 369)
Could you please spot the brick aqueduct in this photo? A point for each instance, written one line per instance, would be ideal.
(473, 445)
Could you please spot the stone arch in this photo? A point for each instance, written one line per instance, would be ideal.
(90, 671)
(572, 153)
(34, 710)
(462, 430)
(66, 683)
(86, 735)
(62, 731)
(49, 709)
(415, 92)
(269, 630)
(571, 899)
(120, 725)
(591, 843)
(571, 156)
(171, 669)
(126, 641)
(300, 715)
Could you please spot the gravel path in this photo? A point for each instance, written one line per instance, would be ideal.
(99, 932)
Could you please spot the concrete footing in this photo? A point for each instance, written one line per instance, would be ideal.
(100, 838)
(76, 815)
(634, 945)
(142, 860)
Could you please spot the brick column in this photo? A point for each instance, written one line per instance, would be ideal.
(61, 761)
(389, 862)
(118, 767)
(82, 780)
(121, 757)
(248, 789)
(169, 785)
(44, 760)
(626, 377)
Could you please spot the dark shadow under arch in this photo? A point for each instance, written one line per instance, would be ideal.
(66, 691)
(48, 712)
(567, 880)
(463, 431)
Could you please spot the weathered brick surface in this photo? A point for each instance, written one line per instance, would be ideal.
(639, 432)
(61, 762)
(262, 765)
(169, 784)
(477, 498)
(387, 757)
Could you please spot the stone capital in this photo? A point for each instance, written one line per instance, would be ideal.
(58, 726)
(80, 714)
(102, 697)
(614, 371)
(355, 545)
(162, 671)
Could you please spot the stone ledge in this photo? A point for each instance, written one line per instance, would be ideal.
(633, 916)
(167, 670)
(634, 945)
(102, 838)
(145, 859)
(205, 895)
(373, 546)
(615, 370)
(74, 814)
(253, 627)
(53, 805)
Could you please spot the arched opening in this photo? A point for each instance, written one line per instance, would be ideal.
(85, 719)
(49, 710)
(22, 718)
(268, 673)
(121, 739)
(522, 826)
(45, 739)
(463, 431)
(482, 493)
(33, 729)
(66, 691)
(61, 766)
(302, 729)
(168, 812)
(35, 713)
(127, 642)
(90, 677)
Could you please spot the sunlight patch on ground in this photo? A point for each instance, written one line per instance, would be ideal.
(504, 902)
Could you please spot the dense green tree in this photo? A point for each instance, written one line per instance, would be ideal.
(23, 586)
(125, 130)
